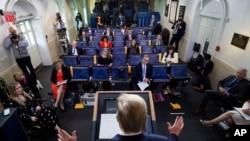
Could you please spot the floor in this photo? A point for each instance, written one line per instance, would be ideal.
(81, 119)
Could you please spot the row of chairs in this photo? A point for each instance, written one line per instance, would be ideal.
(124, 50)
(118, 59)
(161, 73)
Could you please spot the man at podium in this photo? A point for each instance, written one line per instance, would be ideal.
(134, 108)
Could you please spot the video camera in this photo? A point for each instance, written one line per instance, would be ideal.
(14, 36)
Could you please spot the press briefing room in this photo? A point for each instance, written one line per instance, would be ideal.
(99, 70)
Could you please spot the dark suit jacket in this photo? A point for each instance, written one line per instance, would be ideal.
(110, 33)
(154, 22)
(154, 43)
(31, 83)
(90, 31)
(180, 31)
(119, 20)
(126, 38)
(239, 90)
(86, 39)
(79, 51)
(207, 69)
(66, 75)
(137, 73)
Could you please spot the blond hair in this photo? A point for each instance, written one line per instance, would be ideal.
(58, 61)
(12, 90)
(17, 75)
(131, 113)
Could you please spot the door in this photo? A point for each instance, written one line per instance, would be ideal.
(208, 31)
(25, 28)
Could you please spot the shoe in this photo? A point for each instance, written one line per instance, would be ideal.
(198, 89)
(63, 110)
(207, 125)
(198, 111)
(54, 107)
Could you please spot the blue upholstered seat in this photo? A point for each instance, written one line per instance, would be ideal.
(160, 73)
(80, 74)
(81, 44)
(134, 59)
(119, 50)
(86, 60)
(89, 51)
(154, 58)
(119, 59)
(119, 72)
(70, 60)
(118, 43)
(100, 73)
(179, 71)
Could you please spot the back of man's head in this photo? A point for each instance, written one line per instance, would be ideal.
(131, 113)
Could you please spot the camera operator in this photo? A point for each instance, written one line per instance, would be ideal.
(19, 47)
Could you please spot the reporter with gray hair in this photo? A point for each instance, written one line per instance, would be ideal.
(19, 46)
(131, 116)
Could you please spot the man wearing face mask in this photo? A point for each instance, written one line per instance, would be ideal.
(178, 27)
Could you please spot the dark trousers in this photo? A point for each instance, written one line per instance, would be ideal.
(222, 99)
(175, 39)
(25, 62)
(202, 79)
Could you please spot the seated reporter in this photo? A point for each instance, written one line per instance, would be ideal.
(230, 92)
(28, 83)
(105, 59)
(105, 43)
(142, 72)
(131, 116)
(29, 111)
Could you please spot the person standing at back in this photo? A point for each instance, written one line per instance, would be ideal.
(19, 46)
(179, 28)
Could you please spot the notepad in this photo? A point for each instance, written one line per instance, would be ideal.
(109, 126)
(175, 105)
(79, 106)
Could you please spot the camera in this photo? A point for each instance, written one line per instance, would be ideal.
(14, 36)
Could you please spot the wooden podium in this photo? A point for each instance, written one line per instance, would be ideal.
(105, 103)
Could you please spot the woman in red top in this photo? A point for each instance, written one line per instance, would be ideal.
(105, 43)
(60, 76)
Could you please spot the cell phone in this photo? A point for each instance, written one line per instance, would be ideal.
(6, 112)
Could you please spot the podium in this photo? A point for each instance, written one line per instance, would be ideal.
(105, 103)
(11, 128)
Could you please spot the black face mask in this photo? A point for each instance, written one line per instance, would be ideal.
(179, 20)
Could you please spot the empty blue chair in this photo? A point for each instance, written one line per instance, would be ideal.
(118, 44)
(81, 44)
(100, 30)
(118, 33)
(161, 49)
(134, 59)
(151, 37)
(160, 73)
(143, 42)
(100, 73)
(80, 74)
(118, 38)
(89, 51)
(119, 59)
(141, 37)
(70, 60)
(147, 50)
(119, 50)
(154, 58)
(98, 34)
(94, 44)
(128, 43)
(119, 72)
(179, 71)
(86, 60)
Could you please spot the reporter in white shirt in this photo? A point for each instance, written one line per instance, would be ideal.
(170, 56)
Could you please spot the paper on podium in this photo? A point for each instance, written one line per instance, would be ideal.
(61, 82)
(175, 105)
(142, 85)
(109, 126)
